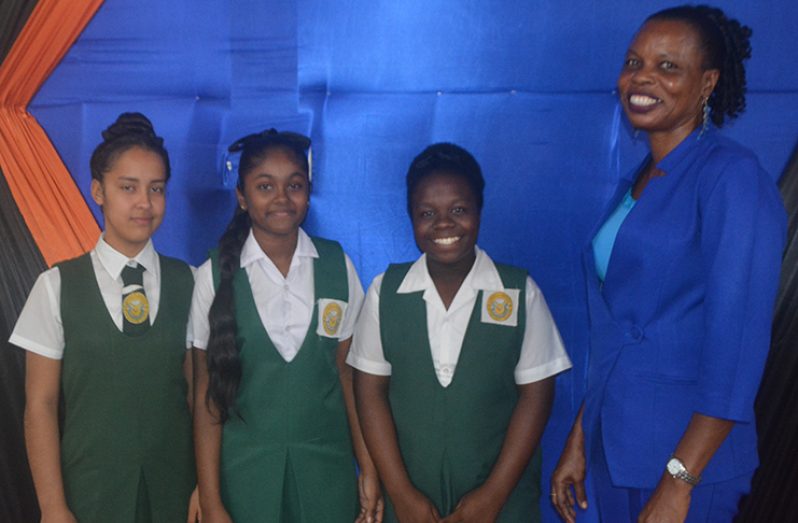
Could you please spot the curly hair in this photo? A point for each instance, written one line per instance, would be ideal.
(725, 44)
(128, 131)
(224, 361)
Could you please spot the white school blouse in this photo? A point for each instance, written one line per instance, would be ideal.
(39, 328)
(542, 351)
(284, 303)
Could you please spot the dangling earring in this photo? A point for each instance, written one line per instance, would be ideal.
(704, 117)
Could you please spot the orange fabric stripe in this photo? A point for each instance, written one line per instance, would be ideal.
(53, 208)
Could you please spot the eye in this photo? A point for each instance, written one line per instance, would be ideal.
(631, 63)
(426, 213)
(127, 187)
(667, 65)
(264, 187)
(458, 211)
(296, 186)
(158, 189)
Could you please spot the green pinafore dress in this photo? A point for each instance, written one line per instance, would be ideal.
(450, 437)
(286, 449)
(126, 448)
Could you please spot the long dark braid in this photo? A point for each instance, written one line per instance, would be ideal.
(726, 44)
(224, 361)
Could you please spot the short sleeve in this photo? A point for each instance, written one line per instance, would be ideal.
(355, 301)
(39, 328)
(201, 301)
(366, 352)
(542, 351)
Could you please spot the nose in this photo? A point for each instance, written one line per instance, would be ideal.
(443, 221)
(641, 76)
(145, 198)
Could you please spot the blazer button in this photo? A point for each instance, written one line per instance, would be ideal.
(635, 333)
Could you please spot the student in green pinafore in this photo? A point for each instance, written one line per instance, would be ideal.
(455, 358)
(109, 329)
(273, 313)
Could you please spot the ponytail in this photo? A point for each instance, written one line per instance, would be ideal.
(224, 361)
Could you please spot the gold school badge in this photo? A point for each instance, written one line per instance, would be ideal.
(500, 307)
(331, 315)
(136, 308)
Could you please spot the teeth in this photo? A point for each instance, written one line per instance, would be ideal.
(641, 99)
(446, 241)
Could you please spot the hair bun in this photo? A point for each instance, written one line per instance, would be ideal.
(130, 124)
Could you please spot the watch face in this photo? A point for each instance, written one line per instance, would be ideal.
(675, 466)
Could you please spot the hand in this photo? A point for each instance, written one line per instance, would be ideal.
(414, 507)
(480, 505)
(669, 503)
(570, 473)
(60, 515)
(194, 512)
(371, 502)
(216, 515)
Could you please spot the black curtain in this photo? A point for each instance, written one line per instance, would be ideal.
(772, 497)
(13, 15)
(20, 263)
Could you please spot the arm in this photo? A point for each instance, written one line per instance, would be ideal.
(188, 371)
(42, 439)
(671, 499)
(522, 438)
(570, 473)
(371, 504)
(207, 446)
(379, 431)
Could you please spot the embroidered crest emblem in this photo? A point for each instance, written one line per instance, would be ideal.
(331, 318)
(499, 306)
(136, 308)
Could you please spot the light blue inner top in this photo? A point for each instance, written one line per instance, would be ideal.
(605, 237)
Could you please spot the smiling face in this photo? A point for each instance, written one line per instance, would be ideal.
(132, 197)
(663, 83)
(445, 217)
(275, 193)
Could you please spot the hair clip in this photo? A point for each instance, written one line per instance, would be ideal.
(232, 155)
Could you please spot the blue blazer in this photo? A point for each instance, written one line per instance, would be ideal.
(682, 322)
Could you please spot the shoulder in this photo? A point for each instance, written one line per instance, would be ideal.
(72, 264)
(325, 246)
(175, 270)
(732, 174)
(728, 162)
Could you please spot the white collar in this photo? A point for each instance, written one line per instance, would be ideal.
(252, 253)
(482, 276)
(114, 261)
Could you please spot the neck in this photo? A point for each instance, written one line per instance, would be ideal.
(662, 143)
(127, 249)
(279, 248)
(448, 278)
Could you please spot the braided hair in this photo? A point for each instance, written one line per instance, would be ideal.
(224, 361)
(725, 44)
(128, 131)
(449, 158)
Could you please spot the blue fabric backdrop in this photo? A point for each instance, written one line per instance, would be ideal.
(527, 86)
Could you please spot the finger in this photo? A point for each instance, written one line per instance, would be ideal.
(560, 495)
(581, 497)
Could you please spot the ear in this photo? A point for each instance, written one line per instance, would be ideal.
(709, 81)
(242, 202)
(97, 192)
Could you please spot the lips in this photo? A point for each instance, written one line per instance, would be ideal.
(446, 241)
(642, 103)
